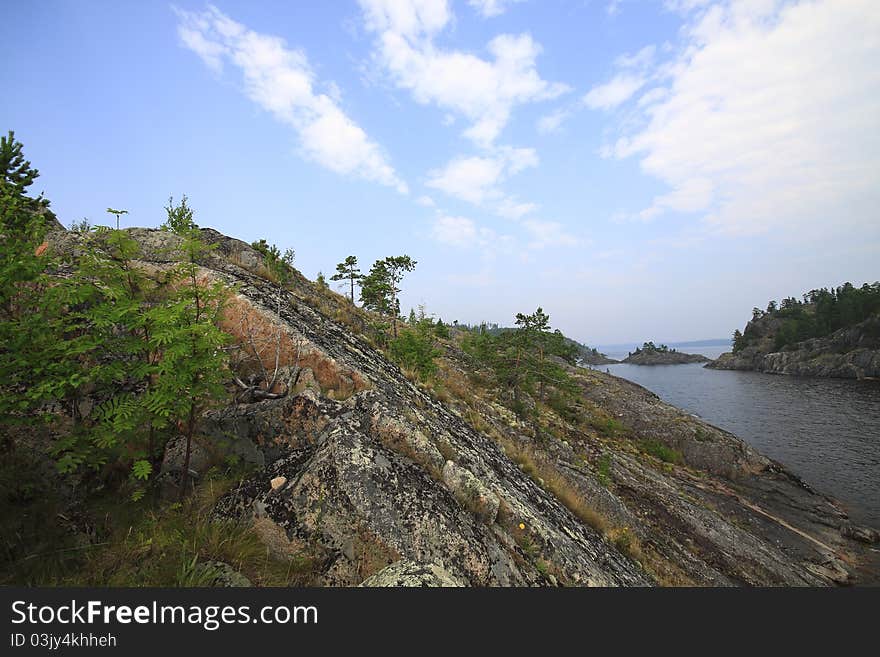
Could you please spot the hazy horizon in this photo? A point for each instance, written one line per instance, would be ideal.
(638, 169)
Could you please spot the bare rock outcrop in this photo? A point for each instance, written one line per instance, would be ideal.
(849, 353)
(380, 477)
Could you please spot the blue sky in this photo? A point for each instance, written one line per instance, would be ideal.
(641, 169)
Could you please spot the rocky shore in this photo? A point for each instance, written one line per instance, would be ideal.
(646, 357)
(386, 481)
(599, 359)
(849, 353)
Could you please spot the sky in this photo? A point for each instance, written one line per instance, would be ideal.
(641, 169)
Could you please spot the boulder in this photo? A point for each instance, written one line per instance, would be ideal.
(170, 476)
(175, 456)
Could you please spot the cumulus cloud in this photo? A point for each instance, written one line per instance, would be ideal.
(476, 179)
(613, 93)
(464, 233)
(633, 73)
(455, 231)
(685, 6)
(639, 60)
(471, 179)
(510, 208)
(769, 116)
(490, 8)
(280, 80)
(484, 91)
(548, 233)
(691, 195)
(553, 121)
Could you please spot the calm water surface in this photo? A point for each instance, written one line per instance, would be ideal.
(825, 430)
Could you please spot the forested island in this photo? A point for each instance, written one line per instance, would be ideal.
(830, 332)
(651, 354)
(182, 408)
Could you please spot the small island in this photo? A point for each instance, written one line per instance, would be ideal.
(651, 354)
(592, 356)
(830, 332)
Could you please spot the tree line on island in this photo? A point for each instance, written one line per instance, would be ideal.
(650, 347)
(819, 313)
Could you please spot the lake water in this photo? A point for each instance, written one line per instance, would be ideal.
(827, 431)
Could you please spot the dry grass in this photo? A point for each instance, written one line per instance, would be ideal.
(260, 270)
(549, 478)
(259, 337)
(371, 555)
(170, 545)
(624, 539)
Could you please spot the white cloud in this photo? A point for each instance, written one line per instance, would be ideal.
(407, 18)
(613, 93)
(692, 195)
(472, 179)
(512, 209)
(281, 81)
(426, 201)
(633, 74)
(685, 6)
(455, 231)
(518, 159)
(463, 233)
(476, 179)
(771, 116)
(548, 233)
(553, 121)
(639, 60)
(483, 91)
(491, 8)
(613, 7)
(210, 52)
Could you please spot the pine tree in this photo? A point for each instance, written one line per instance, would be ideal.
(396, 267)
(738, 341)
(24, 261)
(414, 348)
(518, 357)
(16, 175)
(347, 270)
(376, 289)
(380, 288)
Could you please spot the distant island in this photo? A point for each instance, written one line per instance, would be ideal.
(651, 354)
(591, 355)
(831, 332)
